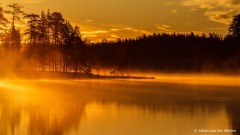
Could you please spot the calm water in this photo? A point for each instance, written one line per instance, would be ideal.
(117, 107)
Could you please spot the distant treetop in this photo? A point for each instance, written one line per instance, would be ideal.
(234, 27)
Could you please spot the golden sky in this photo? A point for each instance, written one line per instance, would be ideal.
(111, 19)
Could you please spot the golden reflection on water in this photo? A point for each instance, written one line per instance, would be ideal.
(134, 120)
(90, 107)
(201, 79)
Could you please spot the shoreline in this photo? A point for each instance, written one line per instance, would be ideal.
(62, 75)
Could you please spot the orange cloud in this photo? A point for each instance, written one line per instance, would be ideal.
(114, 29)
(220, 11)
(114, 36)
(223, 17)
(164, 28)
(31, 1)
(94, 32)
(113, 33)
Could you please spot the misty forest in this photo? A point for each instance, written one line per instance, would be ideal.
(48, 42)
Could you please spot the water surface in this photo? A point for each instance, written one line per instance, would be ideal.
(119, 107)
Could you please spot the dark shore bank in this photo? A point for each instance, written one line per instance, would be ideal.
(62, 75)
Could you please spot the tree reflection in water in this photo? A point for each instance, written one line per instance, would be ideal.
(57, 107)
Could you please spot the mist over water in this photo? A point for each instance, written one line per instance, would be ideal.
(49, 47)
(89, 107)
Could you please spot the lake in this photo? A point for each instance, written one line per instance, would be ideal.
(117, 107)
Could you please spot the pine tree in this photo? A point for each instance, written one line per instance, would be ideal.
(44, 37)
(234, 27)
(33, 28)
(13, 38)
(56, 23)
(3, 23)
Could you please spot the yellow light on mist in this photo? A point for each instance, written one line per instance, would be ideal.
(11, 86)
(200, 79)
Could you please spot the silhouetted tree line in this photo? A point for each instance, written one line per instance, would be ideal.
(172, 52)
(51, 43)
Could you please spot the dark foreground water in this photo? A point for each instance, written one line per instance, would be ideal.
(117, 107)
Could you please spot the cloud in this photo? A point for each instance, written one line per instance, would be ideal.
(114, 29)
(113, 32)
(212, 4)
(206, 4)
(164, 28)
(89, 35)
(146, 32)
(94, 32)
(193, 3)
(220, 11)
(88, 21)
(31, 1)
(132, 29)
(202, 4)
(114, 36)
(223, 17)
(198, 32)
(193, 9)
